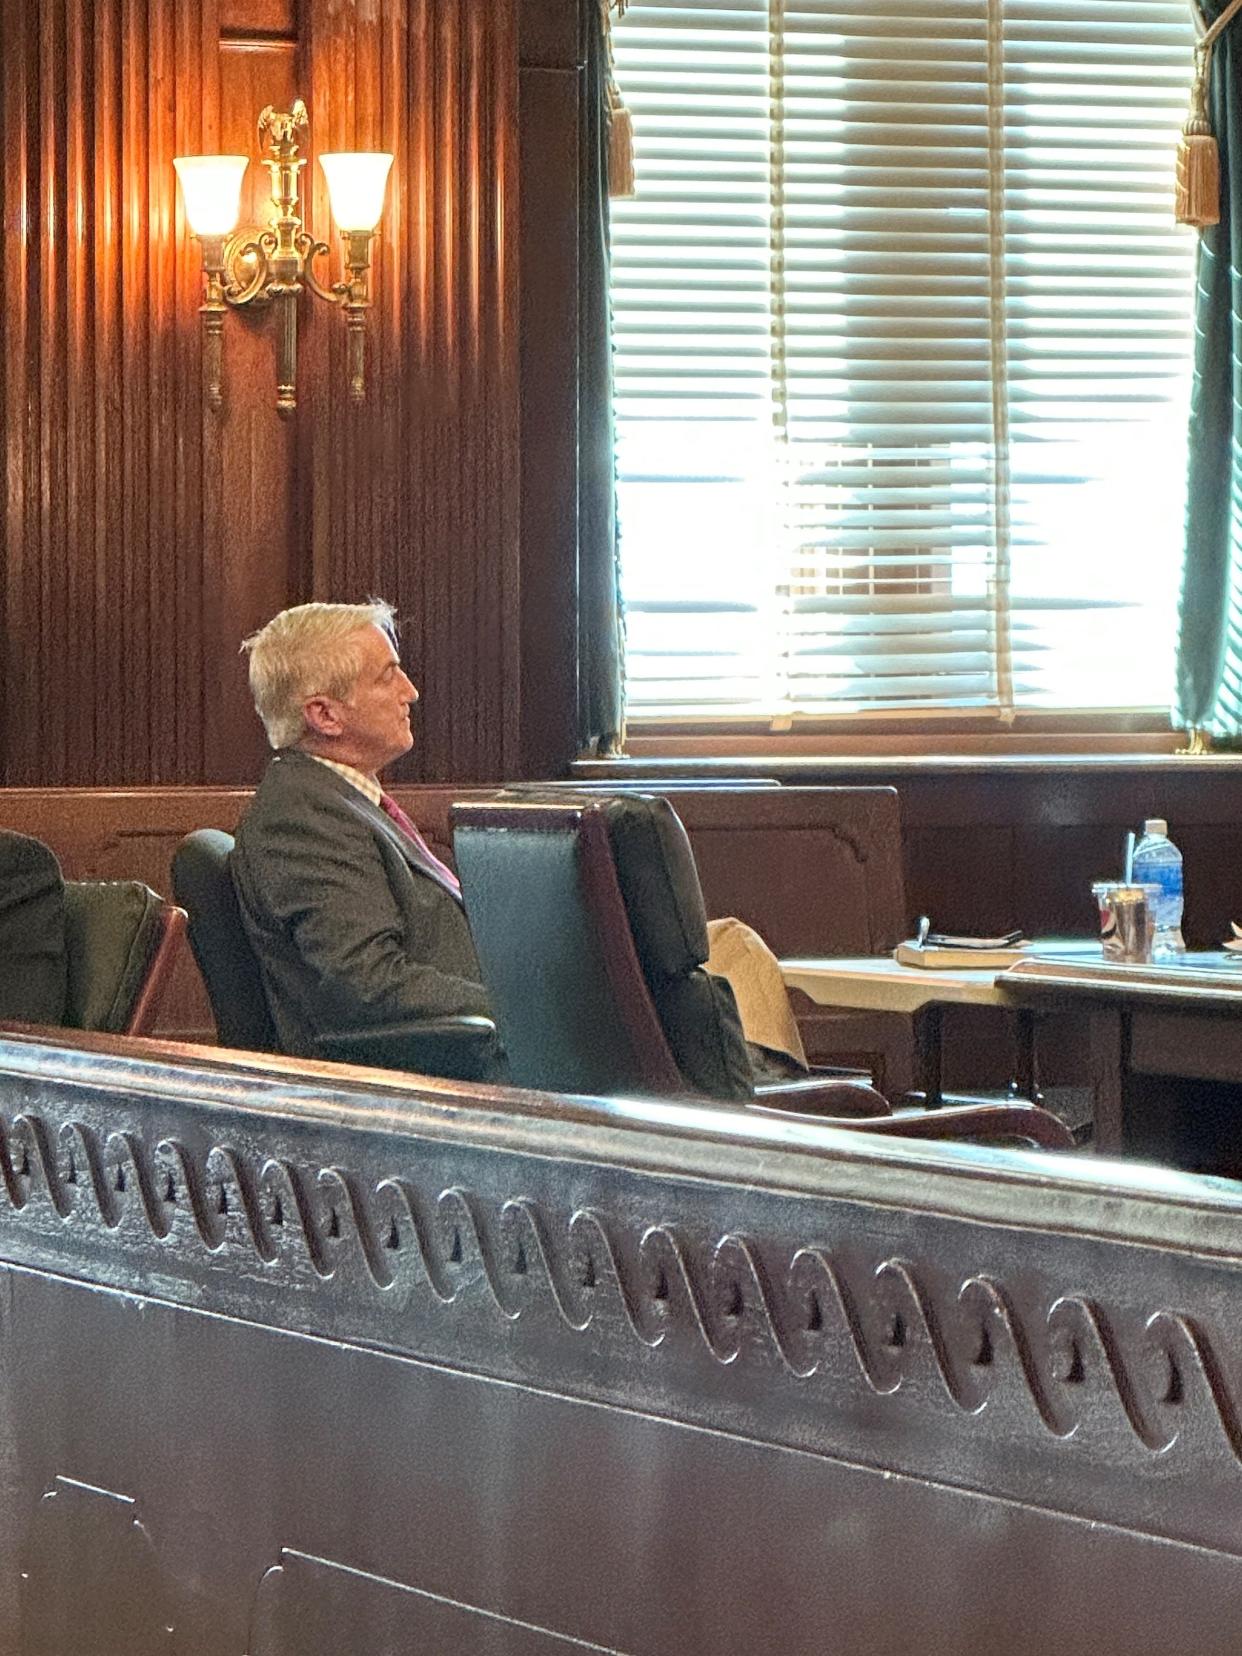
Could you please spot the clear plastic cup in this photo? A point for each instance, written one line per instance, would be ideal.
(1127, 919)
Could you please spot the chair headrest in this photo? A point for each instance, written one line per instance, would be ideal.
(660, 883)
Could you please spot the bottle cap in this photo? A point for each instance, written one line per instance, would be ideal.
(1156, 825)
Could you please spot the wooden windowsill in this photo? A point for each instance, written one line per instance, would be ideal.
(902, 744)
(862, 766)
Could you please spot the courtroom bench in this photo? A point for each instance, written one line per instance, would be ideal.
(309, 1359)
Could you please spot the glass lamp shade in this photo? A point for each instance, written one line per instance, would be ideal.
(356, 187)
(211, 188)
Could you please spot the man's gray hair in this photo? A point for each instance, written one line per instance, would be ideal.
(310, 650)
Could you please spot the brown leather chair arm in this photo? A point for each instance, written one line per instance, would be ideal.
(968, 1123)
(817, 1094)
(988, 1123)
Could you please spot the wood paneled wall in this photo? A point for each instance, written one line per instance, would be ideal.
(144, 536)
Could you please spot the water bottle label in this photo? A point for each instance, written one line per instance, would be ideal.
(1168, 877)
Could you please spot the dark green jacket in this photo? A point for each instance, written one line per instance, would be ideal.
(33, 984)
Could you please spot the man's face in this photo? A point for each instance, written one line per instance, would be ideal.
(374, 719)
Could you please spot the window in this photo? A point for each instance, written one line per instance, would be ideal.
(903, 334)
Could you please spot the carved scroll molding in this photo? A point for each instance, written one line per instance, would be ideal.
(849, 1340)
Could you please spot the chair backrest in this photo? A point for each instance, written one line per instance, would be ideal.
(203, 882)
(590, 930)
(121, 944)
(815, 870)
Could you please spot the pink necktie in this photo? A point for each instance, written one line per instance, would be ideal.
(391, 809)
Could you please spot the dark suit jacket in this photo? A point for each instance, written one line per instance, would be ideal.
(33, 982)
(352, 927)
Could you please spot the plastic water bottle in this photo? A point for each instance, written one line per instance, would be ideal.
(1158, 862)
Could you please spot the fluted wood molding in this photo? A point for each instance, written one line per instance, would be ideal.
(143, 536)
(103, 518)
(415, 495)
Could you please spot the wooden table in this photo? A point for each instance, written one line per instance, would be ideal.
(1179, 1022)
(877, 983)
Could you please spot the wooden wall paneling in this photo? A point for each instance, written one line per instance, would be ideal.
(159, 574)
(550, 82)
(549, 34)
(254, 568)
(1052, 885)
(133, 729)
(413, 495)
(196, 525)
(110, 661)
(475, 271)
(499, 266)
(257, 17)
(79, 411)
(143, 535)
(54, 225)
(183, 100)
(1212, 858)
(97, 585)
(323, 457)
(19, 343)
(961, 876)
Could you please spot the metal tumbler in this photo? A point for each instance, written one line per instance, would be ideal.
(1127, 920)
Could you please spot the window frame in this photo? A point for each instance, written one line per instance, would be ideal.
(934, 729)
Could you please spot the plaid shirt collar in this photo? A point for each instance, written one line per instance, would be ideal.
(365, 784)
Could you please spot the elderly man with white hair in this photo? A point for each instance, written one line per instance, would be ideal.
(357, 926)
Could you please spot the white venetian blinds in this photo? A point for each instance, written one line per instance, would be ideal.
(902, 334)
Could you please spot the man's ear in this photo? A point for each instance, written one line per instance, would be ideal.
(321, 716)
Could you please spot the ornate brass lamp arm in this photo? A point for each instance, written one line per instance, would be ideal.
(246, 260)
(310, 249)
(353, 296)
(285, 261)
(212, 311)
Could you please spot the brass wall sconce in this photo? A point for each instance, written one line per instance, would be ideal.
(251, 265)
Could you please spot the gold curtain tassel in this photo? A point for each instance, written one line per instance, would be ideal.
(620, 146)
(1196, 197)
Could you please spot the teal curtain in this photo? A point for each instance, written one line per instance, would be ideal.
(1209, 654)
(601, 709)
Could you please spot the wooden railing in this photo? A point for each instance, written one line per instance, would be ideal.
(310, 1359)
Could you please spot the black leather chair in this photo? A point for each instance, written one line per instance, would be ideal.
(203, 885)
(589, 925)
(459, 1047)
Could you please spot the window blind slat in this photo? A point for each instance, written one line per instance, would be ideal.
(902, 340)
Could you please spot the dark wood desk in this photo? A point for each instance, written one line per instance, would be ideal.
(1159, 1035)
